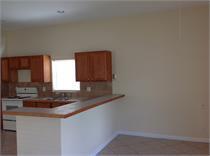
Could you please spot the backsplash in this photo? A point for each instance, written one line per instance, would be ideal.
(97, 89)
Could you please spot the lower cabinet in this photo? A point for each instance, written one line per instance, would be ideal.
(56, 104)
(44, 104)
(29, 104)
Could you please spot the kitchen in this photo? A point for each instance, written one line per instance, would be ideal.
(92, 70)
(26, 70)
(146, 88)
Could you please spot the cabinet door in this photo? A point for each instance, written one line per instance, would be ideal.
(14, 63)
(4, 69)
(47, 68)
(37, 74)
(13, 75)
(60, 103)
(82, 67)
(100, 65)
(29, 104)
(24, 62)
(56, 104)
(43, 105)
(93, 66)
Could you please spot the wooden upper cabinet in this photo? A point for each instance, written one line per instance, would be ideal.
(24, 62)
(14, 63)
(40, 68)
(82, 67)
(13, 75)
(19, 62)
(47, 68)
(100, 63)
(93, 66)
(37, 69)
(5, 69)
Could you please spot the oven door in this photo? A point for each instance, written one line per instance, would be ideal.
(9, 105)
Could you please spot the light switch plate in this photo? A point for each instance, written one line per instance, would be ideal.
(44, 89)
(88, 89)
(114, 76)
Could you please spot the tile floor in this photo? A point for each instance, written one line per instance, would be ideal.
(8, 143)
(132, 145)
(125, 145)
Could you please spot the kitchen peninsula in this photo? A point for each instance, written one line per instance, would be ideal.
(79, 128)
(56, 122)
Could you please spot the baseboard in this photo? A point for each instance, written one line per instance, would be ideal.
(149, 135)
(163, 136)
(100, 147)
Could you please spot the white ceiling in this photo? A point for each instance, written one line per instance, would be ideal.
(26, 13)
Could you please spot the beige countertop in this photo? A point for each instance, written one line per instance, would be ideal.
(65, 110)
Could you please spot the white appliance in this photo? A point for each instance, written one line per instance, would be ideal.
(9, 122)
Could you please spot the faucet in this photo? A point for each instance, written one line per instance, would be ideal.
(64, 96)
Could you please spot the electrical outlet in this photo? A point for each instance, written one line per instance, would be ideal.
(114, 76)
(88, 89)
(44, 89)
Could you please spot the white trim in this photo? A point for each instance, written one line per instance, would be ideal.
(163, 136)
(100, 147)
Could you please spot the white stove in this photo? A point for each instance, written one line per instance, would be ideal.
(9, 122)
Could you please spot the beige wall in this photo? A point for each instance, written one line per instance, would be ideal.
(3, 43)
(160, 58)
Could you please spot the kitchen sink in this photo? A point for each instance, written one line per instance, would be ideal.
(56, 98)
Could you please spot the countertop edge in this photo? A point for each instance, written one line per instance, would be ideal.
(93, 105)
(66, 115)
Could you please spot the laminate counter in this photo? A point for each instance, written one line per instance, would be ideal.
(64, 111)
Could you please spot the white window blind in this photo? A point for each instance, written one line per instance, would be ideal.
(64, 78)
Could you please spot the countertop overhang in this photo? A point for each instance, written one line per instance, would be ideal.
(66, 110)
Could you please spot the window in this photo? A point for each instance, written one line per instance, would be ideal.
(63, 73)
